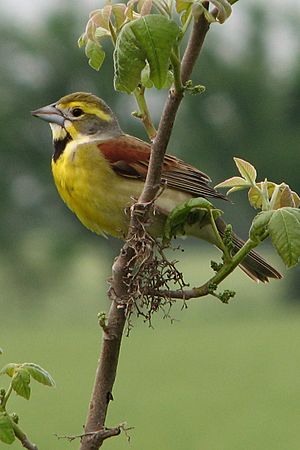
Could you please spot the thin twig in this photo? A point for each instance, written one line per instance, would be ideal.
(105, 433)
(201, 291)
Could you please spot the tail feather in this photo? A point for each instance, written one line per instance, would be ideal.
(254, 265)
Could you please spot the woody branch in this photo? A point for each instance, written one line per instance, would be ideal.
(113, 330)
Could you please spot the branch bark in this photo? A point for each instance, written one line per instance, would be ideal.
(23, 438)
(108, 360)
(107, 366)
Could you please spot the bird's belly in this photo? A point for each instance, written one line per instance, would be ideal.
(95, 193)
(99, 197)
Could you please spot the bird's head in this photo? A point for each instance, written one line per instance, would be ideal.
(79, 115)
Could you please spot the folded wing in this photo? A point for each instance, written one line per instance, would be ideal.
(129, 157)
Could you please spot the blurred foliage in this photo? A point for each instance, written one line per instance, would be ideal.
(244, 380)
(247, 111)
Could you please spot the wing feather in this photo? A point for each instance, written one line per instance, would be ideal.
(129, 157)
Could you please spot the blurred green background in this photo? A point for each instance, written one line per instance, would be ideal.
(220, 377)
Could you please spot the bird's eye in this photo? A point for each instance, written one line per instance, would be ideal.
(77, 112)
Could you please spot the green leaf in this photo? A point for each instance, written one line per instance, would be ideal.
(280, 195)
(183, 5)
(9, 369)
(100, 17)
(82, 40)
(20, 383)
(246, 170)
(148, 39)
(39, 374)
(255, 194)
(184, 8)
(284, 229)
(296, 199)
(259, 226)
(145, 77)
(234, 183)
(95, 54)
(169, 80)
(119, 14)
(100, 33)
(188, 213)
(286, 197)
(7, 434)
(144, 7)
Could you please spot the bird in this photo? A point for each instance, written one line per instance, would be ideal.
(99, 171)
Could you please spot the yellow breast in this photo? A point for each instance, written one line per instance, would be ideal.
(92, 190)
(98, 196)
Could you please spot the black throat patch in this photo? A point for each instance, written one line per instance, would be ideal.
(60, 145)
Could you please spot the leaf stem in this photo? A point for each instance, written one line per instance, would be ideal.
(139, 94)
(235, 260)
(186, 24)
(225, 270)
(221, 245)
(6, 397)
(265, 196)
(274, 196)
(175, 61)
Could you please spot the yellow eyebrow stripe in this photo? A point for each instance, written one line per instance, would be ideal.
(90, 109)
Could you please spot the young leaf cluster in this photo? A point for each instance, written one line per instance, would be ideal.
(20, 375)
(195, 8)
(146, 35)
(280, 214)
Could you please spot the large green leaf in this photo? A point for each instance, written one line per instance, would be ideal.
(7, 434)
(284, 229)
(147, 39)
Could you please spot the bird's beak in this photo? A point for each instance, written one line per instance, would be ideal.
(50, 114)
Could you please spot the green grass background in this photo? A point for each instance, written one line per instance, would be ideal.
(220, 377)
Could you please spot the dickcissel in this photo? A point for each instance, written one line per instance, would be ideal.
(99, 171)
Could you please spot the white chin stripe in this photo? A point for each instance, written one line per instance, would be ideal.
(58, 132)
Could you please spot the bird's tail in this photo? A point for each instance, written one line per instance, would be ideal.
(254, 265)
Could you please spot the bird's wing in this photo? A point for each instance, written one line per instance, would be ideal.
(129, 157)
